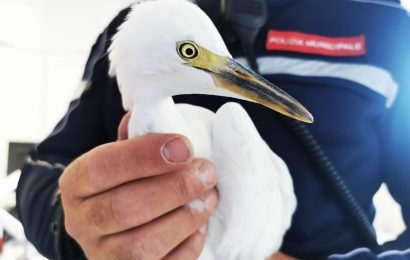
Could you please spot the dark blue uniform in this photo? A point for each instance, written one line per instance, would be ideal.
(347, 61)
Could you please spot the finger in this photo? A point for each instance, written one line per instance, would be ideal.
(123, 128)
(281, 256)
(190, 249)
(159, 237)
(113, 164)
(137, 203)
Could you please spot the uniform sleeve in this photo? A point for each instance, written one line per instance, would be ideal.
(80, 130)
(396, 139)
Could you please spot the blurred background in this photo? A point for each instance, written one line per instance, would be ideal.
(43, 49)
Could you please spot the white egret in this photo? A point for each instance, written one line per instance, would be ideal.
(171, 47)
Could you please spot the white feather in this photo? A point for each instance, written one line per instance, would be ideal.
(256, 191)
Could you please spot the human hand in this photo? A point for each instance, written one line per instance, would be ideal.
(125, 200)
(281, 256)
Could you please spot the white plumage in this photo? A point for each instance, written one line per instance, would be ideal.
(256, 193)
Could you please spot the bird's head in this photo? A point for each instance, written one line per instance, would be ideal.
(171, 47)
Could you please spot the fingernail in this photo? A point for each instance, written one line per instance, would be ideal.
(211, 199)
(176, 150)
(203, 229)
(206, 174)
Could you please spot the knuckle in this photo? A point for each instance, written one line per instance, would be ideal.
(146, 213)
(72, 227)
(62, 184)
(141, 245)
(122, 210)
(132, 206)
(63, 181)
(185, 183)
(145, 247)
(196, 245)
(97, 215)
(141, 252)
(122, 252)
(117, 210)
(69, 179)
(194, 219)
(93, 250)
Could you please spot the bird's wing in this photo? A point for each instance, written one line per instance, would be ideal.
(255, 187)
(200, 122)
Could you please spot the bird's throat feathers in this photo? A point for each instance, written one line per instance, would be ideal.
(164, 116)
(157, 116)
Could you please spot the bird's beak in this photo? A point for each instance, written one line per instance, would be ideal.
(229, 74)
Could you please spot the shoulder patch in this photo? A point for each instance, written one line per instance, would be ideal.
(315, 44)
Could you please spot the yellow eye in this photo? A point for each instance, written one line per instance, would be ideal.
(188, 50)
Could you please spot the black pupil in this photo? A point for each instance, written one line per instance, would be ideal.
(189, 51)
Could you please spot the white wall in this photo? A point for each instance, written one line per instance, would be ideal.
(43, 48)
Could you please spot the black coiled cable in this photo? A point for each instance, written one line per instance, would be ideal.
(328, 172)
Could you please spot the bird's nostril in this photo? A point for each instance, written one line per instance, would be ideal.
(241, 73)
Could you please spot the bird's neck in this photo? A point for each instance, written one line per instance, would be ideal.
(156, 115)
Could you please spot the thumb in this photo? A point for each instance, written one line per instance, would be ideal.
(123, 128)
